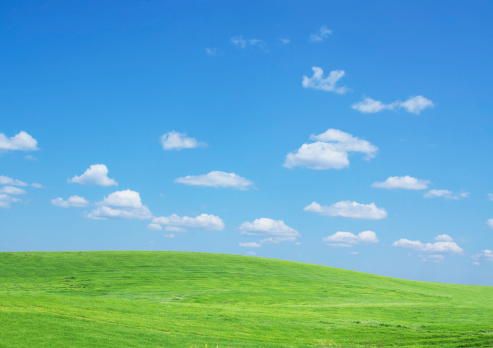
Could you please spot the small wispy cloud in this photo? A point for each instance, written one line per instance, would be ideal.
(217, 179)
(413, 105)
(285, 41)
(348, 209)
(322, 34)
(402, 182)
(240, 42)
(348, 239)
(327, 84)
(211, 51)
(177, 141)
(72, 201)
(446, 194)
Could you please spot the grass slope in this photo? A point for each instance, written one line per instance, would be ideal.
(177, 299)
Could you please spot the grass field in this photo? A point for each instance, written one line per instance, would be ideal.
(178, 299)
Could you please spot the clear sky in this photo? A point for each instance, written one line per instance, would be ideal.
(354, 134)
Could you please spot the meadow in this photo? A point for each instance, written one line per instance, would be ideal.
(181, 299)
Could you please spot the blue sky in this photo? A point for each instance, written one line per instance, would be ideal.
(351, 134)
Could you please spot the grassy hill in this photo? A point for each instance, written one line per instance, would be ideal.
(177, 299)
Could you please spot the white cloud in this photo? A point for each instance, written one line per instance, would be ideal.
(444, 238)
(328, 84)
(285, 41)
(5, 180)
(124, 204)
(330, 151)
(169, 235)
(72, 201)
(348, 239)
(486, 255)
(250, 245)
(217, 179)
(446, 194)
(37, 185)
(240, 42)
(154, 227)
(22, 141)
(444, 244)
(177, 141)
(490, 196)
(96, 174)
(211, 51)
(349, 209)
(275, 230)
(413, 105)
(489, 222)
(322, 34)
(6, 200)
(12, 190)
(402, 182)
(205, 221)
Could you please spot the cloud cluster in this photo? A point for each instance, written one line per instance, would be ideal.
(484, 255)
(203, 221)
(177, 141)
(5, 180)
(443, 244)
(329, 151)
(217, 179)
(413, 105)
(12, 190)
(124, 204)
(322, 34)
(446, 194)
(328, 84)
(348, 209)
(22, 141)
(274, 231)
(348, 239)
(402, 182)
(72, 201)
(96, 174)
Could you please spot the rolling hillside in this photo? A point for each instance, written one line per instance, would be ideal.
(178, 299)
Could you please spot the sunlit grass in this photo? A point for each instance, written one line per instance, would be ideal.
(176, 299)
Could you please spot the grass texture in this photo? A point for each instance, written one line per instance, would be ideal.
(180, 299)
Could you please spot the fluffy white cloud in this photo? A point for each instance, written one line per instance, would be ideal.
(402, 182)
(444, 238)
(154, 227)
(124, 204)
(349, 209)
(217, 179)
(22, 141)
(72, 201)
(328, 84)
(177, 141)
(205, 221)
(240, 42)
(330, 151)
(275, 230)
(250, 245)
(5, 180)
(6, 200)
(413, 105)
(348, 239)
(489, 222)
(321, 35)
(446, 194)
(444, 244)
(12, 190)
(96, 174)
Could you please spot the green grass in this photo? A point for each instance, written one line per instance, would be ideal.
(177, 299)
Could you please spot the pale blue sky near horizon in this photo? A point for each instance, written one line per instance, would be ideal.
(95, 82)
